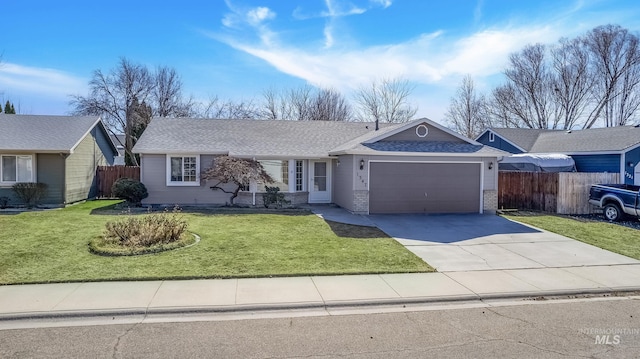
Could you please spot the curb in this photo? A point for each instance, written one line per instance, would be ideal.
(142, 311)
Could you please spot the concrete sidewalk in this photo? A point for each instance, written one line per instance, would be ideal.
(229, 295)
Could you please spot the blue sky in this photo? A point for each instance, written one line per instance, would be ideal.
(238, 48)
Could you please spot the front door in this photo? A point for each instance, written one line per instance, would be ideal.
(319, 181)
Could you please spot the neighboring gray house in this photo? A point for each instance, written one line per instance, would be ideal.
(609, 149)
(60, 151)
(418, 166)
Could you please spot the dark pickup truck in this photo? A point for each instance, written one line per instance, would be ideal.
(616, 200)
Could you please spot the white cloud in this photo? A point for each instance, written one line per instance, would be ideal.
(36, 90)
(341, 8)
(428, 59)
(16, 78)
(257, 15)
(384, 3)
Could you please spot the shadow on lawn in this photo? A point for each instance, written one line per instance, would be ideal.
(353, 231)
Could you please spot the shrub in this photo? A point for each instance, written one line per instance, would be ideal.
(273, 196)
(146, 231)
(129, 189)
(4, 201)
(30, 192)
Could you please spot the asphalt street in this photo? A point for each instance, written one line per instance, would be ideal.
(594, 328)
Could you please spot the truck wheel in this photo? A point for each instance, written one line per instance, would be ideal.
(612, 212)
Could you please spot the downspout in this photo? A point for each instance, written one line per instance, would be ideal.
(64, 176)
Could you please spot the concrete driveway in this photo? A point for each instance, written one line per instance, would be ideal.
(473, 242)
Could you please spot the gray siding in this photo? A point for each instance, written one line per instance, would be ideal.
(80, 172)
(434, 134)
(154, 176)
(50, 170)
(343, 182)
(104, 144)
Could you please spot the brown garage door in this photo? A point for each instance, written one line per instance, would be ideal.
(424, 187)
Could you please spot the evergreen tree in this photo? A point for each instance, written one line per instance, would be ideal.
(9, 109)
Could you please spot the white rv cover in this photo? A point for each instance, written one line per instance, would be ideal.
(541, 162)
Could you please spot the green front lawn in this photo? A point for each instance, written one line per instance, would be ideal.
(612, 237)
(52, 246)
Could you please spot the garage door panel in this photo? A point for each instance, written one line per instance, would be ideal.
(424, 187)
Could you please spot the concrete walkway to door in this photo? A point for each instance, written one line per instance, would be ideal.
(472, 242)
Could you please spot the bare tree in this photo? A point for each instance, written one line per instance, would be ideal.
(467, 110)
(167, 95)
(238, 171)
(300, 103)
(385, 100)
(616, 58)
(118, 95)
(113, 97)
(329, 105)
(273, 107)
(306, 104)
(229, 109)
(527, 96)
(572, 81)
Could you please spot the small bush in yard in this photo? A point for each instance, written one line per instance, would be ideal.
(129, 189)
(4, 201)
(146, 231)
(30, 192)
(275, 197)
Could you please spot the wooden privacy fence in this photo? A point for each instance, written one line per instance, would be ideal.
(107, 175)
(563, 192)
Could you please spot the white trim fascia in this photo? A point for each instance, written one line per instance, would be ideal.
(420, 154)
(586, 153)
(182, 153)
(623, 163)
(418, 121)
(482, 186)
(72, 149)
(631, 148)
(482, 134)
(284, 157)
(30, 150)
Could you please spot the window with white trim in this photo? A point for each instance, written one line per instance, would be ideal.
(16, 168)
(492, 136)
(183, 170)
(279, 171)
(299, 176)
